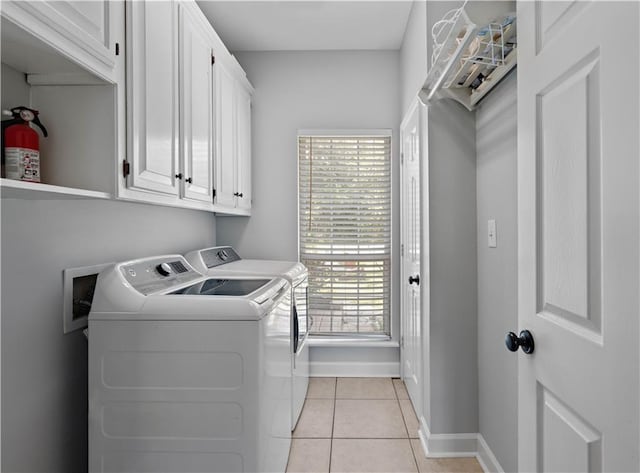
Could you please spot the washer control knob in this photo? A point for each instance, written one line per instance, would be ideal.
(223, 255)
(164, 269)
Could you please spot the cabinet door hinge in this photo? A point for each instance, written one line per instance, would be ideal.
(401, 158)
(213, 59)
(126, 168)
(402, 341)
(213, 193)
(402, 249)
(117, 49)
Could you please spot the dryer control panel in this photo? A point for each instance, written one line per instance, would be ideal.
(213, 257)
(153, 275)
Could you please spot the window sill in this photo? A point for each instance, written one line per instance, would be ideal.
(325, 342)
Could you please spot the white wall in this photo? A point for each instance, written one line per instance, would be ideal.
(413, 55)
(309, 90)
(497, 271)
(44, 372)
(452, 316)
(451, 394)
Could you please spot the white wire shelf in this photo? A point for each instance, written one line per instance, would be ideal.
(475, 46)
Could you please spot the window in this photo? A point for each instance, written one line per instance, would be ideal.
(344, 198)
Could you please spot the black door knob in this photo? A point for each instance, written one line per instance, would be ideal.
(189, 180)
(525, 340)
(414, 279)
(238, 194)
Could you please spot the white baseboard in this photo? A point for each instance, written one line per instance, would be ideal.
(458, 445)
(486, 458)
(354, 370)
(447, 445)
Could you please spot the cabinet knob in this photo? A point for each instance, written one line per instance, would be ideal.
(179, 176)
(238, 194)
(189, 180)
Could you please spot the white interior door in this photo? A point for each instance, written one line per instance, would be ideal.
(578, 235)
(410, 250)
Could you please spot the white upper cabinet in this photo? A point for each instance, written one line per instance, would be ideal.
(226, 162)
(84, 31)
(67, 60)
(152, 98)
(233, 156)
(186, 94)
(196, 108)
(243, 120)
(173, 127)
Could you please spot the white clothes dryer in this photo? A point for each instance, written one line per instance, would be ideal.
(188, 373)
(224, 261)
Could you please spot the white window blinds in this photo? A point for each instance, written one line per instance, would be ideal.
(345, 231)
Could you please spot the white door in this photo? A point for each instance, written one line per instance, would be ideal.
(196, 109)
(578, 238)
(410, 282)
(243, 116)
(152, 95)
(225, 167)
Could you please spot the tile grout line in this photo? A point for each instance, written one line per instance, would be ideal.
(333, 422)
(413, 453)
(406, 427)
(404, 421)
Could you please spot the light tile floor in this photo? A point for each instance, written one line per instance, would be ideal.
(363, 425)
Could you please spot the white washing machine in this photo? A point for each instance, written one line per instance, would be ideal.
(188, 373)
(224, 261)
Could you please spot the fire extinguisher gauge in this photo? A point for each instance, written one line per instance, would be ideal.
(27, 115)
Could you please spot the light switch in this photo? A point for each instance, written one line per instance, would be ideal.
(492, 234)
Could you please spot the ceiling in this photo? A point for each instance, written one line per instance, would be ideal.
(311, 25)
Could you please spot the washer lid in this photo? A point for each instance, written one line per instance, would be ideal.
(223, 287)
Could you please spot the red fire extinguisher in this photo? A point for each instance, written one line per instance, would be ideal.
(21, 147)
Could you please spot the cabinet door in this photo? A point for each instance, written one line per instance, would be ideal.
(226, 137)
(196, 109)
(152, 75)
(82, 29)
(243, 143)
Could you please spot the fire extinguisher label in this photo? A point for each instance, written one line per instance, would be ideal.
(22, 164)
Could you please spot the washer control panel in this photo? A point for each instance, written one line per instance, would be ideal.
(152, 275)
(213, 257)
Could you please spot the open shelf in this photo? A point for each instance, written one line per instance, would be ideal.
(77, 106)
(475, 46)
(12, 189)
